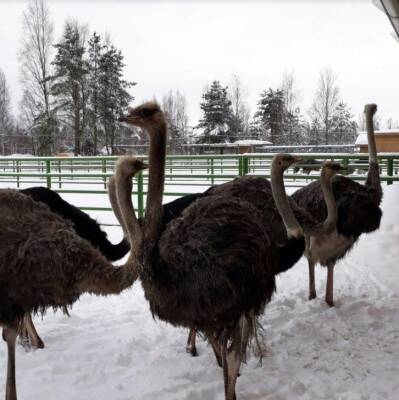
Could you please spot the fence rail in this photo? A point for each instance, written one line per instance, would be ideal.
(184, 174)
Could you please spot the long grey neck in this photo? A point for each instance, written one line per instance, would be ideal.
(373, 177)
(114, 204)
(156, 179)
(330, 222)
(370, 134)
(282, 203)
(130, 222)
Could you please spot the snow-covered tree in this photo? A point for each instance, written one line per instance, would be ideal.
(325, 102)
(95, 51)
(35, 55)
(343, 127)
(69, 83)
(113, 95)
(174, 105)
(271, 114)
(6, 122)
(216, 109)
(239, 120)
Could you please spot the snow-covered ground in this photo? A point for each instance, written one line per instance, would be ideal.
(111, 348)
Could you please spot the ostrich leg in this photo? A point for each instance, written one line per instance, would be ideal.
(330, 285)
(10, 336)
(191, 347)
(312, 286)
(232, 357)
(216, 350)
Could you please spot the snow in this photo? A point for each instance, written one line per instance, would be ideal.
(111, 348)
(250, 142)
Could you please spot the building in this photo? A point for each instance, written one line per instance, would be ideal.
(387, 141)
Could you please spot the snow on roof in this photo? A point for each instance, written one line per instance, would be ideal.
(362, 137)
(250, 142)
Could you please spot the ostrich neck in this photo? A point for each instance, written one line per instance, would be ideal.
(156, 178)
(332, 212)
(373, 176)
(129, 219)
(282, 203)
(371, 137)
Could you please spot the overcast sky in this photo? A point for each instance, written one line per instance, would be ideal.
(186, 44)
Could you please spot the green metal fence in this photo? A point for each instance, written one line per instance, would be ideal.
(184, 174)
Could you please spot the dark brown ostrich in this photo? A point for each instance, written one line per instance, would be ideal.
(44, 263)
(87, 228)
(358, 211)
(212, 269)
(258, 192)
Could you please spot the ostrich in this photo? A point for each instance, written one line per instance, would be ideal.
(44, 263)
(87, 228)
(358, 211)
(212, 269)
(258, 191)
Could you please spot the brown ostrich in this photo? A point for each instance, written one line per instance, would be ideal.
(87, 228)
(44, 263)
(258, 192)
(358, 212)
(212, 269)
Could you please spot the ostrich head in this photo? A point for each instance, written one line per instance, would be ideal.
(331, 168)
(284, 161)
(128, 166)
(370, 108)
(148, 116)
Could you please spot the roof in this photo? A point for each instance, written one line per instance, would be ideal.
(362, 138)
(391, 9)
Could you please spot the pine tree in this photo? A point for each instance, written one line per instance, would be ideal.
(113, 97)
(216, 108)
(271, 114)
(343, 127)
(69, 85)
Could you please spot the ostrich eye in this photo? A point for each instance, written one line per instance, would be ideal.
(145, 113)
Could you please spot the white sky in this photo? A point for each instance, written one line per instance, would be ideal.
(186, 44)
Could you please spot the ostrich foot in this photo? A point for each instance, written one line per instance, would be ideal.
(330, 302)
(312, 296)
(29, 338)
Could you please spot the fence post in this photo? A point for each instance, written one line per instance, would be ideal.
(140, 195)
(245, 165)
(18, 171)
(212, 172)
(240, 168)
(390, 170)
(59, 171)
(104, 169)
(48, 172)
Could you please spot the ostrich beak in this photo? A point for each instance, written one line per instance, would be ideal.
(297, 160)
